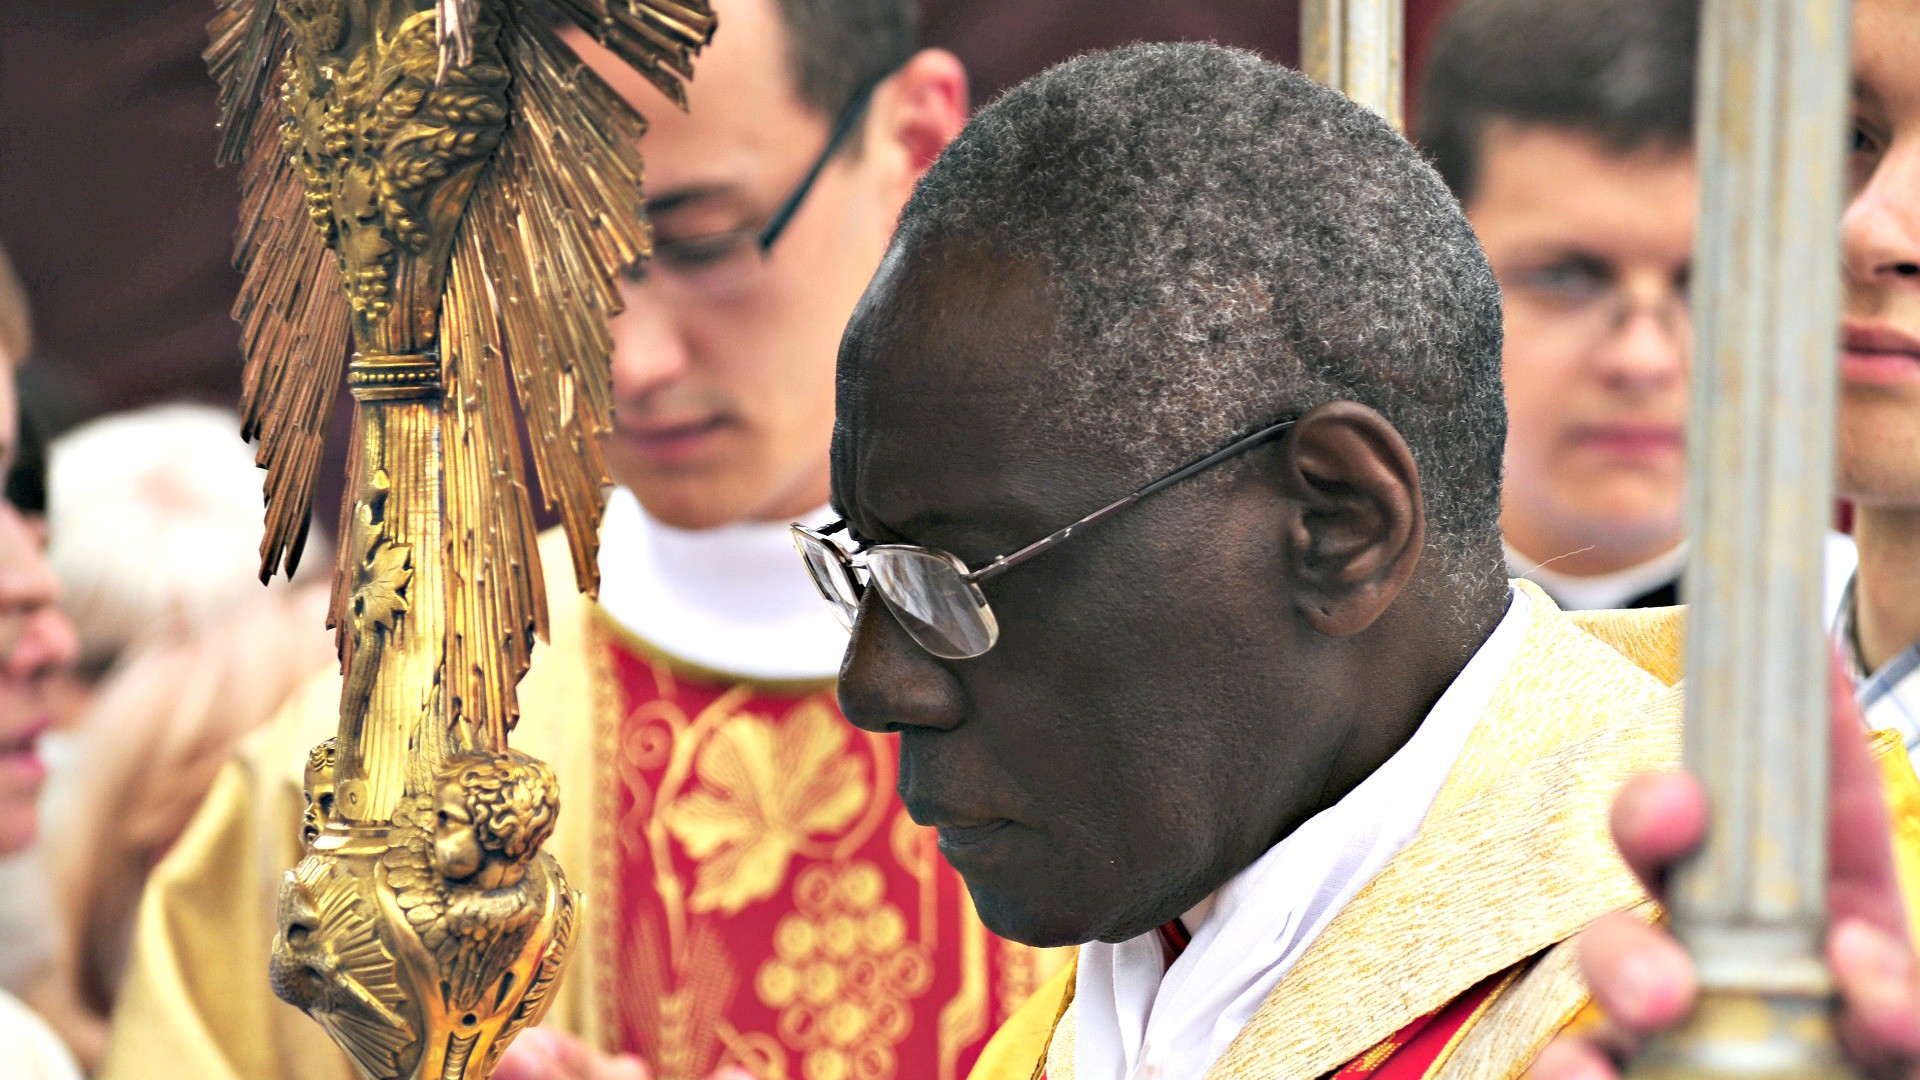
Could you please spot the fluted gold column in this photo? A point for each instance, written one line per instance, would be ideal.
(1358, 47)
(1751, 906)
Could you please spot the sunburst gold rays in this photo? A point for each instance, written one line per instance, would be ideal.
(495, 600)
(530, 292)
(295, 333)
(560, 215)
(245, 42)
(658, 37)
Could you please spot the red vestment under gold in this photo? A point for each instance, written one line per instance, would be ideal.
(778, 907)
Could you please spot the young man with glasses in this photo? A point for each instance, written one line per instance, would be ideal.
(757, 898)
(1566, 132)
(1168, 465)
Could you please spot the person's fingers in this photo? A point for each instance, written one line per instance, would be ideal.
(571, 1055)
(1862, 881)
(1657, 818)
(1879, 995)
(541, 1054)
(529, 1057)
(625, 1067)
(733, 1072)
(1570, 1057)
(1640, 976)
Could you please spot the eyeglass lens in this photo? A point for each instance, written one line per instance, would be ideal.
(942, 610)
(928, 594)
(830, 574)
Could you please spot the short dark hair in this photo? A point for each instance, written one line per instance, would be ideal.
(1230, 243)
(1620, 70)
(840, 47)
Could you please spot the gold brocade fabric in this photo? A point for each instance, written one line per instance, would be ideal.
(1513, 858)
(196, 1005)
(1512, 861)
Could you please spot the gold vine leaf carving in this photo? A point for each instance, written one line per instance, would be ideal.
(380, 598)
(765, 790)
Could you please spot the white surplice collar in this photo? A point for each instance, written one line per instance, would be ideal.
(1135, 1018)
(735, 599)
(1599, 591)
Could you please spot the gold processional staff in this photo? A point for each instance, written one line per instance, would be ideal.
(441, 189)
(1771, 136)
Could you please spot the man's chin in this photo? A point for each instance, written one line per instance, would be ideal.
(19, 821)
(690, 502)
(1050, 913)
(1028, 919)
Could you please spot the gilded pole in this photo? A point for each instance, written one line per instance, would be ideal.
(1751, 905)
(436, 196)
(1358, 47)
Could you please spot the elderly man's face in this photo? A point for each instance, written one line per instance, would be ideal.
(723, 364)
(1593, 249)
(36, 641)
(1879, 453)
(1149, 721)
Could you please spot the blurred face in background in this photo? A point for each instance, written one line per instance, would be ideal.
(36, 643)
(1592, 247)
(1879, 447)
(723, 359)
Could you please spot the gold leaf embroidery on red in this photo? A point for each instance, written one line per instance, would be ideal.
(844, 974)
(764, 793)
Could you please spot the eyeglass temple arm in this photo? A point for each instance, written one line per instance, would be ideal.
(849, 119)
(1007, 562)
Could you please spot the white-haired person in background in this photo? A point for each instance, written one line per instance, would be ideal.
(36, 643)
(155, 519)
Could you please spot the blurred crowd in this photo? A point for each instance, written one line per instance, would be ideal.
(138, 648)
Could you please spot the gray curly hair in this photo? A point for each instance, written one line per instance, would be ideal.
(1229, 244)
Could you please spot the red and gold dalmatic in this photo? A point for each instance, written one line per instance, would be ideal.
(779, 910)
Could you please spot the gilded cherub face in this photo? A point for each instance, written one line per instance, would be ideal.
(319, 791)
(456, 846)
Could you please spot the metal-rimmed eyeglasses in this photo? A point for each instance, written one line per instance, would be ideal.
(935, 596)
(722, 264)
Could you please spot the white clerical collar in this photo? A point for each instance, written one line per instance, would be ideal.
(735, 599)
(1136, 1018)
(1600, 591)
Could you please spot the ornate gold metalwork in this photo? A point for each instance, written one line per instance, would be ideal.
(442, 189)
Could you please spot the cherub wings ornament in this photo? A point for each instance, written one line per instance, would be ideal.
(436, 196)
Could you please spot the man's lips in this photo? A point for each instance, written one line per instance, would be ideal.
(1633, 440)
(19, 750)
(962, 837)
(1878, 354)
(673, 438)
(959, 830)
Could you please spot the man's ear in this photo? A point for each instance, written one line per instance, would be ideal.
(1361, 521)
(917, 111)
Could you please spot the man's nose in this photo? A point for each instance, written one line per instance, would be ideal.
(888, 683)
(1649, 339)
(47, 644)
(649, 348)
(1880, 231)
(1649, 352)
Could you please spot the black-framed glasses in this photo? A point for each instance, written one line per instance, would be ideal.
(720, 263)
(934, 595)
